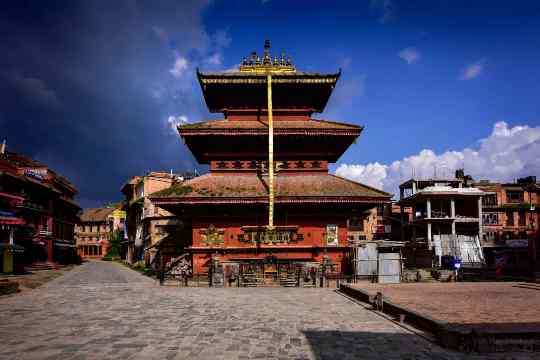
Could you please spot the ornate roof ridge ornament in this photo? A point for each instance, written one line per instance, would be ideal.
(254, 64)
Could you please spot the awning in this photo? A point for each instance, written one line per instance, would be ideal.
(9, 220)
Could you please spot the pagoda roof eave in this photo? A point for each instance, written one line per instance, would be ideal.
(248, 90)
(261, 132)
(279, 76)
(253, 127)
(264, 200)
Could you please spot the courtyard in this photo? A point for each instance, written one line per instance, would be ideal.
(102, 310)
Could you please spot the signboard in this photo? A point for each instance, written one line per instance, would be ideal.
(119, 214)
(38, 174)
(7, 213)
(331, 235)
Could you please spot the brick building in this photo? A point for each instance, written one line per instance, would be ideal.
(269, 204)
(94, 229)
(38, 213)
(146, 224)
(511, 219)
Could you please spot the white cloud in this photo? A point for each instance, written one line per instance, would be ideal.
(174, 121)
(472, 70)
(507, 153)
(221, 39)
(371, 174)
(215, 59)
(410, 55)
(179, 68)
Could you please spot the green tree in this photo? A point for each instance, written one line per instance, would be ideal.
(114, 244)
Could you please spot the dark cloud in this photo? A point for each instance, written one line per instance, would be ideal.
(86, 86)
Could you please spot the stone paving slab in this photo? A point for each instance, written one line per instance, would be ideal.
(103, 310)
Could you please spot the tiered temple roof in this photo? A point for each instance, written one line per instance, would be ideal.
(313, 188)
(243, 136)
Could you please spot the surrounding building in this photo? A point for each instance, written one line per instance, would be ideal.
(38, 213)
(268, 204)
(93, 232)
(446, 218)
(511, 219)
(148, 225)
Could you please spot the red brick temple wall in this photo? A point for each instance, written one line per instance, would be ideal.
(311, 248)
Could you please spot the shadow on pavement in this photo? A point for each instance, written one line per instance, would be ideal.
(371, 345)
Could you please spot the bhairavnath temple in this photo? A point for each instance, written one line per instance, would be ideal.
(268, 203)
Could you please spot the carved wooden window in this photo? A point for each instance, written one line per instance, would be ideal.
(316, 164)
(237, 164)
(221, 165)
(514, 196)
(300, 164)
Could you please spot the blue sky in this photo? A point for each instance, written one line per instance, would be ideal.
(94, 88)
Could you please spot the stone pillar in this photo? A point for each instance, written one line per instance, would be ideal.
(50, 250)
(453, 215)
(429, 239)
(428, 208)
(401, 217)
(480, 232)
(414, 187)
(11, 233)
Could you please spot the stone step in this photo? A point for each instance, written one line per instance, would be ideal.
(42, 266)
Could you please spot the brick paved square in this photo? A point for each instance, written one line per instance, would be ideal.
(103, 310)
(491, 305)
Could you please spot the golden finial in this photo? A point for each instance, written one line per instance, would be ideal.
(256, 64)
(267, 59)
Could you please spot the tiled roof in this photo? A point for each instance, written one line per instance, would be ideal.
(252, 187)
(261, 126)
(20, 161)
(96, 214)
